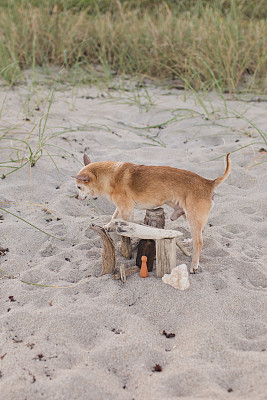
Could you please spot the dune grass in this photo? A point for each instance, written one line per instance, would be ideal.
(203, 43)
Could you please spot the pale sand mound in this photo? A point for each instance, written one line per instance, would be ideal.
(101, 339)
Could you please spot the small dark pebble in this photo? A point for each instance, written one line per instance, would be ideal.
(3, 176)
(116, 331)
(11, 298)
(210, 225)
(237, 140)
(58, 187)
(67, 259)
(227, 244)
(49, 220)
(1, 217)
(1, 374)
(37, 108)
(8, 309)
(3, 251)
(17, 340)
(168, 335)
(58, 219)
(157, 368)
(262, 150)
(39, 357)
(229, 390)
(26, 119)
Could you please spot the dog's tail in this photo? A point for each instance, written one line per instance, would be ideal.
(227, 172)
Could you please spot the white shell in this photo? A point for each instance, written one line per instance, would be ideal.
(178, 278)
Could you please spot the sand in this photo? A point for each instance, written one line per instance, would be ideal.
(90, 337)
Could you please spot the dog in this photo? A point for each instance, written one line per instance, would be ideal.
(131, 186)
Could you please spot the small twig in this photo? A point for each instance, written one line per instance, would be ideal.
(123, 273)
(128, 272)
(179, 244)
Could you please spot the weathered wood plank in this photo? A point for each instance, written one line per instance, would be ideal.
(126, 247)
(165, 256)
(130, 229)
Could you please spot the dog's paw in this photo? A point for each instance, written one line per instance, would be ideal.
(109, 227)
(193, 270)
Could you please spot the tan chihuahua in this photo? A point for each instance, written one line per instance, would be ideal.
(131, 186)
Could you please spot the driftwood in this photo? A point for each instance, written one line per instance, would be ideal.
(126, 247)
(133, 230)
(165, 242)
(128, 272)
(166, 256)
(181, 247)
(122, 273)
(108, 250)
(155, 217)
(147, 247)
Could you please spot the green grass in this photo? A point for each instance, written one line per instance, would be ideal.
(202, 44)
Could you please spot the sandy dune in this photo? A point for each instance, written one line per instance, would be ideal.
(96, 338)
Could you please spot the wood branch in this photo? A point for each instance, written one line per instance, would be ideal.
(108, 250)
(123, 273)
(166, 256)
(128, 272)
(181, 246)
(126, 247)
(130, 229)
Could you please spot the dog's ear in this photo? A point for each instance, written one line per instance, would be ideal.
(86, 159)
(85, 178)
(82, 178)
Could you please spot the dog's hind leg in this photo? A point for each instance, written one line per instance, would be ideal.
(197, 218)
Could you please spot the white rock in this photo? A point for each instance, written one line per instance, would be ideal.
(178, 278)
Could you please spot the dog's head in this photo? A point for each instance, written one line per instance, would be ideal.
(86, 180)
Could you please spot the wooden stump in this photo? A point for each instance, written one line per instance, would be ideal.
(147, 247)
(155, 217)
(166, 256)
(126, 247)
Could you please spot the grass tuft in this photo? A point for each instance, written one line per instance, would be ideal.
(202, 44)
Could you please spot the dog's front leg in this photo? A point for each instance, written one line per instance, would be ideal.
(110, 225)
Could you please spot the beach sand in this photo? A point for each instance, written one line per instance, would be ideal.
(90, 337)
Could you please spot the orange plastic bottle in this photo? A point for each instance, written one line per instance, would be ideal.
(144, 271)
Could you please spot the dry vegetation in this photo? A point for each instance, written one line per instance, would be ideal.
(204, 44)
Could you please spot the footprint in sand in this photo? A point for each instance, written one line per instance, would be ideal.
(236, 228)
(251, 337)
(48, 250)
(248, 210)
(219, 283)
